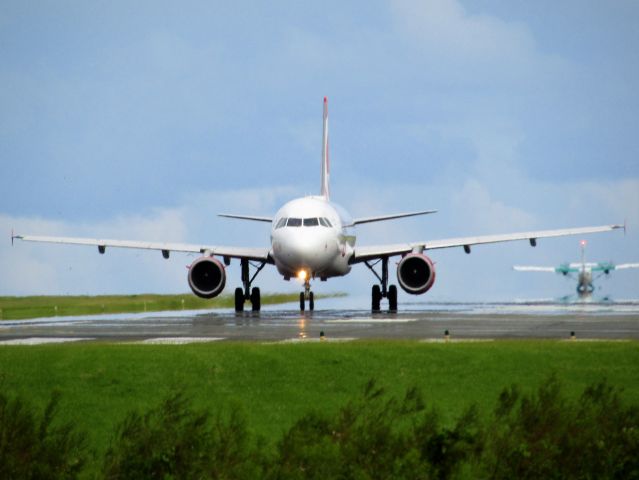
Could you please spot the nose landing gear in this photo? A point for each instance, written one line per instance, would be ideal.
(307, 295)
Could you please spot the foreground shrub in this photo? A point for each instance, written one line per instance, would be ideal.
(540, 435)
(376, 437)
(444, 451)
(32, 446)
(175, 441)
(543, 435)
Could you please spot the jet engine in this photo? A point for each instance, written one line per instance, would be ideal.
(207, 277)
(416, 273)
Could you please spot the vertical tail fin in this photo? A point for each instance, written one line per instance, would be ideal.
(325, 160)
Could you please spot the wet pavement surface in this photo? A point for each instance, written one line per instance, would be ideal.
(337, 320)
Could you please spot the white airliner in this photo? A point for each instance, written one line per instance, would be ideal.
(584, 270)
(312, 238)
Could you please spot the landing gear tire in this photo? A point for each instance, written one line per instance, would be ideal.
(392, 298)
(311, 301)
(256, 301)
(239, 300)
(376, 295)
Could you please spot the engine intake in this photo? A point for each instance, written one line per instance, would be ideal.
(416, 273)
(207, 277)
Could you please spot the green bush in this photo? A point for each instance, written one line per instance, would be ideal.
(175, 441)
(32, 446)
(376, 437)
(544, 435)
(444, 451)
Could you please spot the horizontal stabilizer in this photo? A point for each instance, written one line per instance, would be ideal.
(584, 265)
(246, 217)
(382, 218)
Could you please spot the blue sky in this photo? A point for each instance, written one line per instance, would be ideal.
(143, 120)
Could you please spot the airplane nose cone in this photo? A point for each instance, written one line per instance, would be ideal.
(306, 250)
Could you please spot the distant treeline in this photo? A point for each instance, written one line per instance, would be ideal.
(541, 434)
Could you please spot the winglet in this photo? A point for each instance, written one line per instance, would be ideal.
(381, 218)
(325, 158)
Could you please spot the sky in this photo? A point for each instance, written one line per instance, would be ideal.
(144, 120)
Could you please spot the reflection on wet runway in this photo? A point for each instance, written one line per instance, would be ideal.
(339, 320)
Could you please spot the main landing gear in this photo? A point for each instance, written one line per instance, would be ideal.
(307, 295)
(383, 290)
(242, 294)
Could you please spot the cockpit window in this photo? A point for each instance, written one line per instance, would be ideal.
(307, 222)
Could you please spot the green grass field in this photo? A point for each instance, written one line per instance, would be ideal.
(275, 384)
(20, 308)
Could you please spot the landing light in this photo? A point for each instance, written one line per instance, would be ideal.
(301, 274)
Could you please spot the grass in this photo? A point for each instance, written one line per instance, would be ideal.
(276, 384)
(20, 308)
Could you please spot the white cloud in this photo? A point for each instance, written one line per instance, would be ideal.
(473, 48)
(480, 212)
(445, 26)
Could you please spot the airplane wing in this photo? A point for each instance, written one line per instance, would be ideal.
(563, 269)
(607, 267)
(259, 254)
(524, 268)
(364, 253)
(381, 218)
(626, 265)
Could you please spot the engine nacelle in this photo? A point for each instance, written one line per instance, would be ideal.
(207, 277)
(416, 273)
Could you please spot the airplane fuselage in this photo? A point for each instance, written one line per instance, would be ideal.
(585, 286)
(312, 235)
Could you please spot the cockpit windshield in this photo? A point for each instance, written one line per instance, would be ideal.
(306, 222)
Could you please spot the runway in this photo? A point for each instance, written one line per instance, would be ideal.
(339, 320)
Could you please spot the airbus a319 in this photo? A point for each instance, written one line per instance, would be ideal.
(314, 238)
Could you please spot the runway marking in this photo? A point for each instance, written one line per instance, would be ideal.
(178, 340)
(373, 320)
(314, 340)
(457, 340)
(42, 340)
(606, 340)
